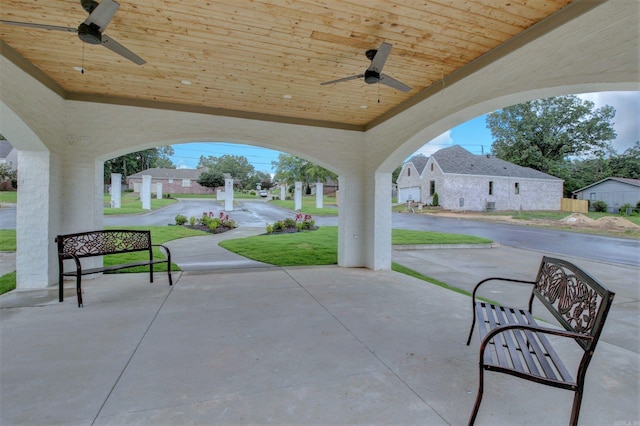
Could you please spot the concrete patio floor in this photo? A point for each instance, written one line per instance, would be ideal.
(271, 345)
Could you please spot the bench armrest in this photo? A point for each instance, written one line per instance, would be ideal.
(507, 280)
(75, 258)
(533, 328)
(166, 250)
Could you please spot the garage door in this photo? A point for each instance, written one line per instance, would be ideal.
(411, 193)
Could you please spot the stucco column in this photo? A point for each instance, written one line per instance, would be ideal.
(228, 195)
(145, 192)
(283, 192)
(319, 194)
(116, 190)
(37, 219)
(159, 191)
(364, 219)
(297, 196)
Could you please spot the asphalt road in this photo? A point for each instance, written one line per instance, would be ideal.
(258, 213)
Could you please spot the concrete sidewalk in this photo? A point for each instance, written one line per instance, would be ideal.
(304, 345)
(295, 345)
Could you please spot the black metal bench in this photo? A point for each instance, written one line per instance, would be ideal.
(101, 243)
(513, 343)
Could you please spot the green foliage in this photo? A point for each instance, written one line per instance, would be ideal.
(436, 200)
(6, 173)
(624, 207)
(211, 178)
(290, 169)
(181, 220)
(599, 206)
(235, 165)
(192, 221)
(138, 161)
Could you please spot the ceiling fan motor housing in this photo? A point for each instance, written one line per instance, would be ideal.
(371, 77)
(89, 34)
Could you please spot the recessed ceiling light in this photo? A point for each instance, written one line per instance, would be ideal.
(79, 69)
(185, 82)
(287, 96)
(363, 107)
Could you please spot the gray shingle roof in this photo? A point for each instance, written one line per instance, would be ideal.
(5, 149)
(457, 160)
(634, 182)
(419, 162)
(169, 173)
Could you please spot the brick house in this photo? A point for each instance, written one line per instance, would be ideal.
(174, 181)
(465, 181)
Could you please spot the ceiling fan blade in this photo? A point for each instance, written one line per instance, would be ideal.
(102, 14)
(40, 26)
(392, 82)
(116, 47)
(353, 77)
(381, 57)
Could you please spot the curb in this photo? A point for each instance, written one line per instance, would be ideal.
(402, 247)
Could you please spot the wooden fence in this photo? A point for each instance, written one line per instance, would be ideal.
(576, 206)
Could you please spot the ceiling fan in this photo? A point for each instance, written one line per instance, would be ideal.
(92, 29)
(373, 74)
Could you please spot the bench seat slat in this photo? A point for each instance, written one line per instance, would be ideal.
(505, 317)
(538, 344)
(113, 268)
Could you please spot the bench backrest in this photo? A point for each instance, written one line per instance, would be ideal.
(99, 243)
(577, 300)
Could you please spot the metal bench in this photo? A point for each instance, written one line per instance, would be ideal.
(101, 243)
(513, 342)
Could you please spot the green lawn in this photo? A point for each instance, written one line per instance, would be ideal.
(321, 247)
(309, 206)
(7, 240)
(131, 204)
(8, 197)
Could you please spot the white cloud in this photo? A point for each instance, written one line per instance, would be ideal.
(626, 122)
(443, 141)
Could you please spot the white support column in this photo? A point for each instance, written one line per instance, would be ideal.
(283, 192)
(145, 192)
(159, 191)
(297, 196)
(37, 220)
(319, 194)
(116, 190)
(364, 221)
(228, 195)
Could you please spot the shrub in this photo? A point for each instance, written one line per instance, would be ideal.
(278, 226)
(435, 202)
(181, 219)
(599, 206)
(290, 223)
(192, 221)
(269, 229)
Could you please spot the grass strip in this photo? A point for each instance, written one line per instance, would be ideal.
(7, 282)
(415, 274)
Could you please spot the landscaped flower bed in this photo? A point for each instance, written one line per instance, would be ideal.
(302, 222)
(208, 222)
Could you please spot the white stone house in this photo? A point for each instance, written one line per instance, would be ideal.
(614, 191)
(465, 181)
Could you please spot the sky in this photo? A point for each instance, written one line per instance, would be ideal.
(472, 135)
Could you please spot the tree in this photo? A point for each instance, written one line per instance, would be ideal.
(235, 165)
(290, 169)
(545, 134)
(211, 179)
(138, 161)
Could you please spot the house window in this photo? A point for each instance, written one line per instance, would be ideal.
(170, 180)
(517, 188)
(431, 166)
(432, 187)
(186, 183)
(408, 172)
(592, 196)
(490, 187)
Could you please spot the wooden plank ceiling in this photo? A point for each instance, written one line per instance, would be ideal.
(243, 57)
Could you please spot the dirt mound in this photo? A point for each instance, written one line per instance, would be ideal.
(578, 219)
(616, 222)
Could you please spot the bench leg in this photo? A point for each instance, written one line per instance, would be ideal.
(60, 288)
(79, 291)
(476, 406)
(575, 410)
